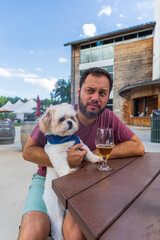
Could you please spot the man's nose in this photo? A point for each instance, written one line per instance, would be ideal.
(95, 96)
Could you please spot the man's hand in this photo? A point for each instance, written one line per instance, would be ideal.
(76, 155)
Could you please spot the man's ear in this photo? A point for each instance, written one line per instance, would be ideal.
(79, 90)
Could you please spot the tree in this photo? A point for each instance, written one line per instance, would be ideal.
(62, 92)
(3, 101)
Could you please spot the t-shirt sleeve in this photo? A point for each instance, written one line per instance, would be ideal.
(121, 131)
(38, 136)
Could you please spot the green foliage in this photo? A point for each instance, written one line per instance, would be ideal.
(3, 101)
(7, 115)
(62, 92)
(17, 124)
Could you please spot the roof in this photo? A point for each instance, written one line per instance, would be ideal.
(147, 83)
(114, 33)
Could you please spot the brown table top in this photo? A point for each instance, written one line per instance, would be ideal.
(120, 204)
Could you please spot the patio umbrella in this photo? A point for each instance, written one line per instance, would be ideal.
(38, 113)
(4, 110)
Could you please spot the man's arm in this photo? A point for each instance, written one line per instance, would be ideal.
(131, 148)
(34, 153)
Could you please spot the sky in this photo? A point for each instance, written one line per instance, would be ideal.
(33, 33)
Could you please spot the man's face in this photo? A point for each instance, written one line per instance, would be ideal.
(94, 95)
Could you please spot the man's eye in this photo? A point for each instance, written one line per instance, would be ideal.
(89, 91)
(103, 94)
(61, 119)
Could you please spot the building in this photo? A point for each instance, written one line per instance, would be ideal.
(132, 57)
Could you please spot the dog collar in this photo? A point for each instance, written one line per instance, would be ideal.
(55, 139)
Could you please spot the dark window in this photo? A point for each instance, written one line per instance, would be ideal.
(145, 33)
(118, 39)
(110, 104)
(85, 46)
(94, 44)
(130, 36)
(108, 41)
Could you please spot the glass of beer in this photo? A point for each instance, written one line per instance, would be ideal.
(104, 143)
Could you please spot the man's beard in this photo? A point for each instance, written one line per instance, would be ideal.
(88, 114)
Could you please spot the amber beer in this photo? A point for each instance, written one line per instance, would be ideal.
(104, 150)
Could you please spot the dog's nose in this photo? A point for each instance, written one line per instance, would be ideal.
(70, 124)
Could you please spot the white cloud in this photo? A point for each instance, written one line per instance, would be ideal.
(122, 16)
(42, 82)
(139, 18)
(12, 73)
(89, 30)
(46, 83)
(4, 72)
(119, 25)
(62, 60)
(39, 69)
(105, 10)
(145, 5)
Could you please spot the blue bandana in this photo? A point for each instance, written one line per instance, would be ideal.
(55, 139)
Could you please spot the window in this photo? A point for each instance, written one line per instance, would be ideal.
(144, 106)
(130, 36)
(109, 69)
(145, 33)
(110, 104)
(108, 52)
(118, 39)
(108, 41)
(85, 56)
(96, 54)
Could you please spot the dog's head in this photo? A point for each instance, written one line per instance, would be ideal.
(59, 120)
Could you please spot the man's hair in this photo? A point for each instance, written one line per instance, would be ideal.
(96, 71)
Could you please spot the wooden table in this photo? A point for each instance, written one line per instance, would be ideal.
(122, 204)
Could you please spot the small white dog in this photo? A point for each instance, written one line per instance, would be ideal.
(59, 124)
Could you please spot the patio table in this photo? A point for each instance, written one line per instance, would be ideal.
(123, 203)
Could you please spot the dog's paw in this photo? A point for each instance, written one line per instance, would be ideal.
(96, 159)
(72, 170)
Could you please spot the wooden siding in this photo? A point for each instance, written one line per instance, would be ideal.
(75, 73)
(132, 64)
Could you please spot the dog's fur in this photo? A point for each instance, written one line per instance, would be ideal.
(59, 120)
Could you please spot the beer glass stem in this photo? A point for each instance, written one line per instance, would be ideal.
(104, 163)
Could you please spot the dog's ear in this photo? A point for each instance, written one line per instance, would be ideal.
(45, 121)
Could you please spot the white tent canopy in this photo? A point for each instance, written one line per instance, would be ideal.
(7, 106)
(26, 107)
(20, 108)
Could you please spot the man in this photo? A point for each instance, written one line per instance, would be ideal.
(93, 92)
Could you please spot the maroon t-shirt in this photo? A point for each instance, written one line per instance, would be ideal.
(107, 119)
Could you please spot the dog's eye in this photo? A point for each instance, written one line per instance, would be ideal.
(61, 119)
